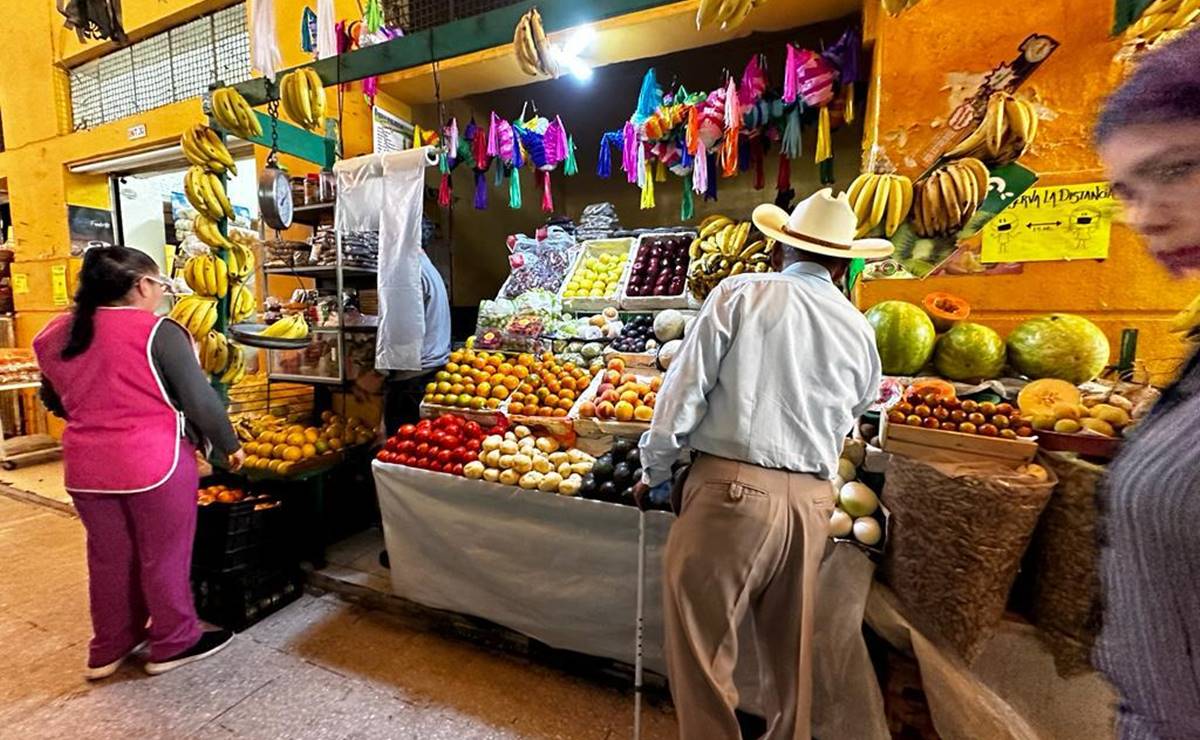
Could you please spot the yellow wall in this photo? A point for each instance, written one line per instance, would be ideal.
(1127, 290)
(37, 127)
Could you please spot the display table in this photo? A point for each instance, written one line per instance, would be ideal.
(564, 571)
(560, 570)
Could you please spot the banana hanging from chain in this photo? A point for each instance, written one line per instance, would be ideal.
(235, 371)
(1009, 127)
(945, 201)
(234, 114)
(302, 94)
(208, 232)
(880, 200)
(727, 14)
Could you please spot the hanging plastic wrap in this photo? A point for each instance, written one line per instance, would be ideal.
(264, 40)
(327, 44)
(380, 198)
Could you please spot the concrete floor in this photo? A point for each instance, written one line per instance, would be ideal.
(321, 668)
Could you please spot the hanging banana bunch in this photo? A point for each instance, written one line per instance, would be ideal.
(207, 275)
(302, 94)
(241, 304)
(208, 232)
(727, 14)
(196, 313)
(203, 148)
(206, 193)
(535, 54)
(880, 199)
(1008, 129)
(234, 114)
(946, 200)
(1162, 21)
(235, 370)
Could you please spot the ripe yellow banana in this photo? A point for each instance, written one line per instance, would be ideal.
(289, 327)
(527, 65)
(241, 304)
(979, 171)
(1187, 321)
(236, 369)
(207, 231)
(895, 206)
(545, 54)
(950, 203)
(217, 189)
(211, 143)
(707, 13)
(880, 202)
(303, 98)
(316, 91)
(856, 187)
(865, 201)
(714, 226)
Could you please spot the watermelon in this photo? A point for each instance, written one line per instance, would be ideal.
(904, 335)
(1059, 345)
(969, 352)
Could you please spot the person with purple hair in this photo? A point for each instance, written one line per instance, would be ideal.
(1148, 135)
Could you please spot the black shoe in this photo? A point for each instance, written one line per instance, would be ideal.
(384, 560)
(210, 643)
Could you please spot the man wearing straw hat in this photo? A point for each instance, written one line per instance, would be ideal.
(765, 387)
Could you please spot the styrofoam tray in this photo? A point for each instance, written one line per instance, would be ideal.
(657, 302)
(594, 249)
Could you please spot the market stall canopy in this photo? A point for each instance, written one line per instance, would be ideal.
(647, 32)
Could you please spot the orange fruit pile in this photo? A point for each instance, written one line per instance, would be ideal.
(473, 380)
(547, 387)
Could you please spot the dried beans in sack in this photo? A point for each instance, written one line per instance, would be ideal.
(956, 536)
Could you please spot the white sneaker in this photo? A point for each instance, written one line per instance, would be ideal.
(104, 671)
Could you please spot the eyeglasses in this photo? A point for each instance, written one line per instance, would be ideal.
(167, 286)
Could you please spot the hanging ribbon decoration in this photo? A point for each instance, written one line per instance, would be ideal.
(604, 158)
(687, 206)
(647, 188)
(308, 31)
(844, 56)
(733, 131)
(373, 16)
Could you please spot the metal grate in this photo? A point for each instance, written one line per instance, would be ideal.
(418, 15)
(171, 66)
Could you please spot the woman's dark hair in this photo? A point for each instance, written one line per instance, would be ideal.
(107, 276)
(1164, 88)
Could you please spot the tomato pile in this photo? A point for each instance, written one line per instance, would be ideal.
(442, 445)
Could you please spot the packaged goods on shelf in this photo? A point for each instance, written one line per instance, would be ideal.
(541, 262)
(283, 253)
(598, 221)
(361, 249)
(324, 245)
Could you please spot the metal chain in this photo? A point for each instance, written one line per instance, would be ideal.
(273, 155)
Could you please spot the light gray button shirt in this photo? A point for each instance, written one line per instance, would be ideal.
(774, 372)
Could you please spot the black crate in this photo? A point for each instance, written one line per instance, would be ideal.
(238, 599)
(231, 536)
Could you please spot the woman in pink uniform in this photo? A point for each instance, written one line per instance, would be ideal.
(137, 407)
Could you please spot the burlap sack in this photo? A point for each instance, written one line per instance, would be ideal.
(957, 534)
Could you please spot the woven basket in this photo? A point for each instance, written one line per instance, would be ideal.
(957, 534)
(1061, 565)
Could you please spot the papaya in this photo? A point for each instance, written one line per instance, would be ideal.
(945, 310)
(1041, 396)
(936, 387)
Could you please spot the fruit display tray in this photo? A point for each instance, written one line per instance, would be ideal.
(596, 248)
(250, 335)
(935, 445)
(595, 427)
(1085, 445)
(657, 302)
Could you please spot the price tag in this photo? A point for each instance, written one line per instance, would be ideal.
(20, 283)
(58, 285)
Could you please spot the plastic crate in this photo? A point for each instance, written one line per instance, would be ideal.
(238, 599)
(231, 536)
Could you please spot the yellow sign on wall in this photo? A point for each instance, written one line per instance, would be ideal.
(58, 285)
(20, 283)
(1065, 222)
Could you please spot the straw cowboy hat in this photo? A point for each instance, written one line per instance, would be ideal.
(821, 223)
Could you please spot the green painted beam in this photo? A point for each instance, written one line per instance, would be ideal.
(298, 142)
(485, 31)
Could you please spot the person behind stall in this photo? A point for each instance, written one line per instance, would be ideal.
(765, 387)
(406, 389)
(137, 407)
(1148, 135)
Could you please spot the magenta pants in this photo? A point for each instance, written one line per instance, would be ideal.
(139, 550)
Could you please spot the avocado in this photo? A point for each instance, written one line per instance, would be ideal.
(634, 458)
(607, 491)
(588, 487)
(621, 448)
(603, 468)
(622, 474)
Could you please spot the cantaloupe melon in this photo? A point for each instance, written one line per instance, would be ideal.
(1041, 396)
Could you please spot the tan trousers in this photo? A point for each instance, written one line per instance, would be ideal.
(748, 541)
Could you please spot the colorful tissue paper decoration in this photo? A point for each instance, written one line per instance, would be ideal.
(540, 142)
(703, 137)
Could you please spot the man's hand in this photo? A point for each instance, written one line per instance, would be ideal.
(236, 460)
(641, 495)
